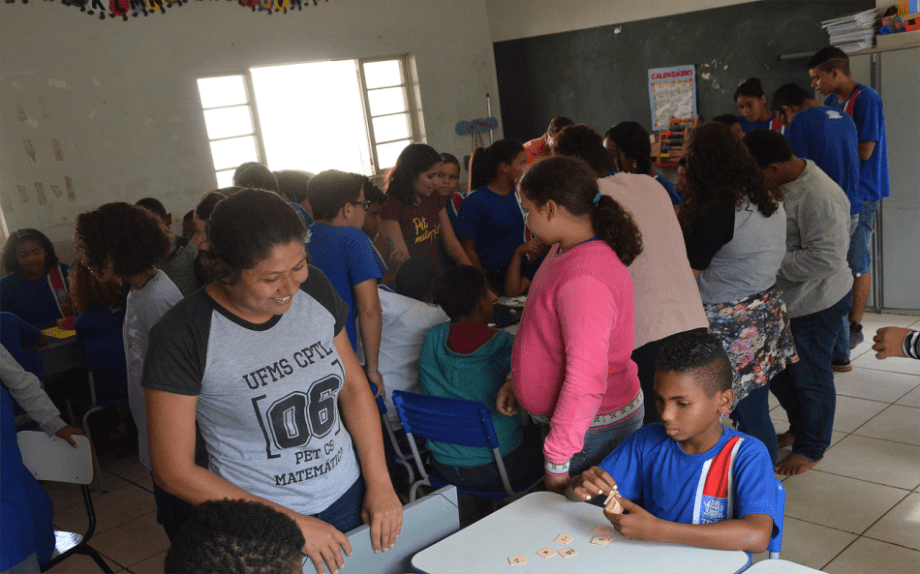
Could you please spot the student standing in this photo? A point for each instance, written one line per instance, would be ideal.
(571, 365)
(830, 75)
(629, 145)
(542, 147)
(752, 103)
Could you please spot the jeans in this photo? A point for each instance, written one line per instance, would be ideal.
(523, 465)
(601, 442)
(345, 513)
(645, 357)
(752, 416)
(806, 389)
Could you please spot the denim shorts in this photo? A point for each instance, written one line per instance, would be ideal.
(859, 256)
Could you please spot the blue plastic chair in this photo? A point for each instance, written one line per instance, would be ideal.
(454, 421)
(776, 539)
(400, 457)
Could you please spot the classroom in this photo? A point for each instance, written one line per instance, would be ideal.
(167, 101)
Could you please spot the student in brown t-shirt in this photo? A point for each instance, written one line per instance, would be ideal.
(414, 215)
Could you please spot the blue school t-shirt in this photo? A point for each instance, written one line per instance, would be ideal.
(774, 123)
(345, 255)
(652, 470)
(828, 137)
(31, 299)
(669, 187)
(865, 107)
(495, 223)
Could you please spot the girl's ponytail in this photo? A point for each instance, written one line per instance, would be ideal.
(479, 172)
(614, 225)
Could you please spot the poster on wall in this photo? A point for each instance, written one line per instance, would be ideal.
(672, 94)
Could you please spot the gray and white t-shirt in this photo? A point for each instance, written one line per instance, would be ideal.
(267, 393)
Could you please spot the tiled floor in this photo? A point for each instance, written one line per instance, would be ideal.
(857, 512)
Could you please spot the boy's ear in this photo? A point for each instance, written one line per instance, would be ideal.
(726, 400)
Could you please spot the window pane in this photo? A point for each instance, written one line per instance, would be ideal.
(382, 74)
(225, 91)
(231, 153)
(225, 178)
(387, 101)
(389, 128)
(387, 153)
(228, 122)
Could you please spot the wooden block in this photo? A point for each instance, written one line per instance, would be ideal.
(563, 539)
(602, 540)
(568, 553)
(602, 529)
(516, 560)
(547, 552)
(615, 507)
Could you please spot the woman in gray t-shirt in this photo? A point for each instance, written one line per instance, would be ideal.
(261, 360)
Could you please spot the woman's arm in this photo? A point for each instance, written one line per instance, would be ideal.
(171, 436)
(449, 240)
(390, 231)
(382, 508)
(370, 317)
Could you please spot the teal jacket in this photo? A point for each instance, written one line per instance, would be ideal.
(474, 377)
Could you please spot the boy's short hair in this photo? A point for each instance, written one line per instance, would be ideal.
(235, 536)
(329, 191)
(415, 277)
(727, 119)
(830, 58)
(791, 95)
(155, 205)
(459, 289)
(768, 146)
(702, 354)
(373, 193)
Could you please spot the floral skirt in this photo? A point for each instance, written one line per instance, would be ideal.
(756, 335)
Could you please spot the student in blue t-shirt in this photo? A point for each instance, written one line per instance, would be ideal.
(688, 479)
(629, 145)
(752, 103)
(830, 75)
(491, 226)
(36, 286)
(342, 251)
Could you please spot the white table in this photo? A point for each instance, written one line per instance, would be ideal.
(532, 523)
(780, 567)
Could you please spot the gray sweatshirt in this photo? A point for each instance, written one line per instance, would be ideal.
(26, 389)
(814, 274)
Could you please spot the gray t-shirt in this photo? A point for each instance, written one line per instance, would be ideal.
(267, 393)
(180, 267)
(144, 308)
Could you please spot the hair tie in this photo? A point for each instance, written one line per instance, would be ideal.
(597, 197)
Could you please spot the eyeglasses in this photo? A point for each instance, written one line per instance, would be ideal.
(366, 204)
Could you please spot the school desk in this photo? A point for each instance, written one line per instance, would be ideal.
(533, 522)
(780, 567)
(60, 356)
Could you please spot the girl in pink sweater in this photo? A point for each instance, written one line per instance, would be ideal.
(571, 365)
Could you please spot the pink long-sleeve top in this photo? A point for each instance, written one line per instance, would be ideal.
(571, 360)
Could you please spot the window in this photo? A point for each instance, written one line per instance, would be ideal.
(352, 115)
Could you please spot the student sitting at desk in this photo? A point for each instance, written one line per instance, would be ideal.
(36, 286)
(689, 480)
(467, 359)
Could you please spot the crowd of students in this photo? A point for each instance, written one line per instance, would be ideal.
(653, 311)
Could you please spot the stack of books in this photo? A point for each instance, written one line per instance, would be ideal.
(855, 32)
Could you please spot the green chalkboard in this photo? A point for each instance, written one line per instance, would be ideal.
(599, 76)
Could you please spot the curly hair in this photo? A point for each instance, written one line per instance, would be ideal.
(235, 536)
(21, 236)
(133, 238)
(584, 143)
(722, 173)
(571, 184)
(413, 161)
(87, 292)
(702, 354)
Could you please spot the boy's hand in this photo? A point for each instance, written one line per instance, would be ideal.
(590, 484)
(506, 403)
(639, 524)
(889, 342)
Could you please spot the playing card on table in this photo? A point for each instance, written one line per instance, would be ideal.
(568, 552)
(515, 560)
(547, 552)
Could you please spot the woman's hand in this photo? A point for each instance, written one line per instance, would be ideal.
(591, 483)
(506, 403)
(324, 543)
(383, 510)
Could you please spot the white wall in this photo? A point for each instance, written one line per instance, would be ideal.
(121, 97)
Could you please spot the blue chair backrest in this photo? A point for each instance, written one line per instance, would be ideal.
(105, 357)
(776, 539)
(381, 404)
(442, 419)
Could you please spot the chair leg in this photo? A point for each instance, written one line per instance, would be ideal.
(91, 552)
(99, 478)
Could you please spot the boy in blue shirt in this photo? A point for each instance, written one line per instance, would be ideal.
(688, 479)
(342, 251)
(830, 75)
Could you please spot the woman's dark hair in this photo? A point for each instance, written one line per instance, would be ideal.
(21, 236)
(485, 161)
(373, 193)
(557, 124)
(245, 227)
(292, 184)
(87, 292)
(751, 88)
(212, 198)
(254, 175)
(189, 216)
(727, 119)
(459, 289)
(632, 139)
(682, 162)
(571, 184)
(331, 190)
(584, 143)
(450, 158)
(154, 205)
(132, 237)
(792, 95)
(767, 146)
(721, 173)
(413, 161)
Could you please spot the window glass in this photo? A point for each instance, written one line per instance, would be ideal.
(224, 91)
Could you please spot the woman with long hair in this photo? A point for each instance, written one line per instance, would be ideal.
(35, 288)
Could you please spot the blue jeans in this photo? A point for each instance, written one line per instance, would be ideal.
(752, 416)
(806, 389)
(601, 442)
(345, 513)
(523, 465)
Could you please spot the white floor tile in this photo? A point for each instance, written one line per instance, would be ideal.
(837, 501)
(874, 460)
(892, 364)
(152, 565)
(875, 385)
(867, 556)
(911, 399)
(850, 413)
(901, 525)
(112, 508)
(876, 320)
(133, 541)
(810, 544)
(897, 423)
